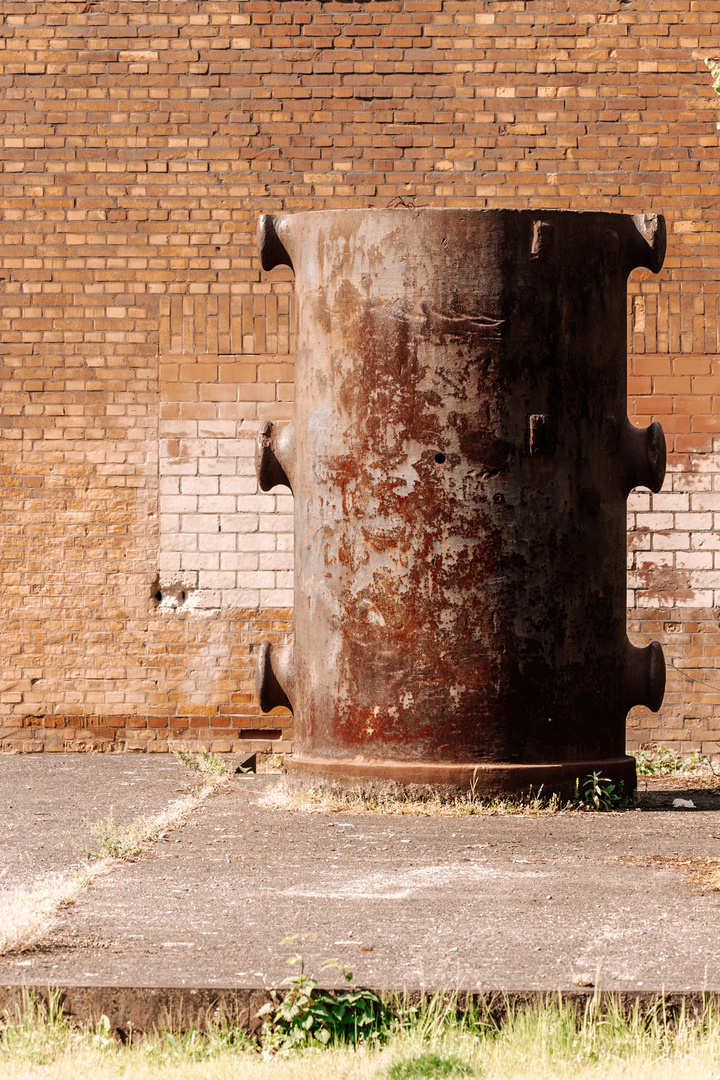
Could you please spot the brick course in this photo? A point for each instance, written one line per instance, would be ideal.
(141, 346)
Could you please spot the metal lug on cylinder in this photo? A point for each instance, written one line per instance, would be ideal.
(541, 239)
(648, 242)
(275, 677)
(271, 233)
(644, 676)
(274, 455)
(643, 456)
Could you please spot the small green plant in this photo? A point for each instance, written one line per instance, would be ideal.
(661, 761)
(274, 762)
(429, 1065)
(115, 841)
(203, 763)
(601, 793)
(307, 1016)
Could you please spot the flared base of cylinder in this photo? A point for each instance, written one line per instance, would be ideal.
(368, 776)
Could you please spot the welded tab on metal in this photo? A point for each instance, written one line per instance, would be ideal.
(460, 459)
(274, 454)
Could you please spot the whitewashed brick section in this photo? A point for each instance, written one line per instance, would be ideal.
(223, 542)
(674, 549)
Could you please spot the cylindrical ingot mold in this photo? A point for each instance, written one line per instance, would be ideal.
(460, 458)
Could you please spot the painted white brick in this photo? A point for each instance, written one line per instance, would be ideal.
(276, 598)
(259, 579)
(168, 562)
(692, 481)
(279, 523)
(705, 501)
(238, 485)
(694, 560)
(200, 485)
(179, 504)
(241, 540)
(655, 522)
(180, 542)
(638, 501)
(243, 598)
(200, 448)
(216, 541)
(219, 504)
(654, 560)
(179, 467)
(215, 467)
(169, 524)
(198, 523)
(670, 541)
(239, 560)
(256, 541)
(701, 598)
(647, 600)
(210, 600)
(705, 579)
(219, 429)
(238, 523)
(709, 463)
(200, 560)
(694, 522)
(702, 541)
(276, 560)
(179, 429)
(217, 579)
(670, 501)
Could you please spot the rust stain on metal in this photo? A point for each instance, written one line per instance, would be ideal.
(460, 459)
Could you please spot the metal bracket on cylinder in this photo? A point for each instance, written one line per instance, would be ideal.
(643, 457)
(271, 233)
(275, 455)
(275, 677)
(648, 241)
(644, 676)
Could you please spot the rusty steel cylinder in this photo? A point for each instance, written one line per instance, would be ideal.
(460, 458)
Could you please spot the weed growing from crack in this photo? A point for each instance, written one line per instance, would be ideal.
(204, 763)
(600, 793)
(306, 1016)
(116, 841)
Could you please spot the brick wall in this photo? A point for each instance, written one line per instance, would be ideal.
(141, 346)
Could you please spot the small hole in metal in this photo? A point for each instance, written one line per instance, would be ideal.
(440, 458)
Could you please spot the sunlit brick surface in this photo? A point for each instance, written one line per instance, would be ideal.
(142, 347)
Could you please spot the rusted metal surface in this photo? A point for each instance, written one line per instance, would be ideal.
(460, 458)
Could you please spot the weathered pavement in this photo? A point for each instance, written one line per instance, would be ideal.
(481, 903)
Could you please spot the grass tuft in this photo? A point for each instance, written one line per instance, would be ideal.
(595, 796)
(547, 1040)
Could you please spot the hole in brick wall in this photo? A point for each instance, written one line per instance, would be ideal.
(261, 733)
(173, 594)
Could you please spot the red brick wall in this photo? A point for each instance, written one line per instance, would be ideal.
(141, 346)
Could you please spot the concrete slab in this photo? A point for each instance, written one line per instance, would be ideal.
(45, 800)
(482, 903)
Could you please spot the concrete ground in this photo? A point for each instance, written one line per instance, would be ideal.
(510, 903)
